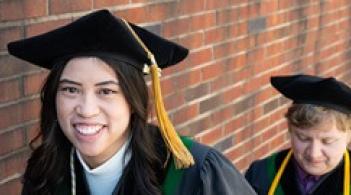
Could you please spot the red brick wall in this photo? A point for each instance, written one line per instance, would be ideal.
(220, 94)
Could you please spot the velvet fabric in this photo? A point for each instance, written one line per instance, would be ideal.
(307, 89)
(98, 32)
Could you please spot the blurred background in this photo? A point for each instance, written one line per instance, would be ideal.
(220, 94)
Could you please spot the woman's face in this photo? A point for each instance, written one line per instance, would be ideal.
(92, 110)
(319, 149)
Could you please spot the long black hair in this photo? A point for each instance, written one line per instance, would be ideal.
(48, 164)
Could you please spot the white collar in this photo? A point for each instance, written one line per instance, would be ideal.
(116, 163)
(104, 178)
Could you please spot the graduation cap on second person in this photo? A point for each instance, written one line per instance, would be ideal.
(101, 32)
(308, 89)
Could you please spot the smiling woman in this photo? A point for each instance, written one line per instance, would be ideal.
(95, 134)
(92, 110)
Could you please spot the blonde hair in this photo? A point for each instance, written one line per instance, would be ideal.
(309, 115)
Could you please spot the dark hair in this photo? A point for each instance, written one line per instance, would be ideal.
(144, 173)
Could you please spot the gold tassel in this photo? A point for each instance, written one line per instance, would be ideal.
(182, 156)
(346, 173)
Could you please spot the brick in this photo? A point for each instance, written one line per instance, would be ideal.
(255, 56)
(176, 27)
(269, 7)
(161, 11)
(35, 8)
(254, 9)
(244, 73)
(244, 104)
(231, 94)
(168, 86)
(221, 115)
(212, 136)
(203, 21)
(154, 28)
(197, 126)
(243, 162)
(224, 144)
(33, 83)
(11, 140)
(32, 131)
(216, 35)
(11, 10)
(20, 9)
(211, 103)
(238, 151)
(257, 25)
(134, 14)
(197, 92)
(223, 49)
(173, 101)
(13, 165)
(67, 6)
(234, 125)
(10, 115)
(254, 84)
(199, 57)
(188, 79)
(216, 4)
(31, 109)
(243, 12)
(277, 142)
(39, 28)
(192, 41)
(10, 90)
(237, 62)
(269, 133)
(261, 152)
(212, 70)
(227, 15)
(107, 3)
(9, 34)
(10, 66)
(265, 94)
(11, 187)
(185, 7)
(185, 114)
(221, 82)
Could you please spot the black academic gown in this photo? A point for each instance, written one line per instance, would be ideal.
(212, 174)
(260, 176)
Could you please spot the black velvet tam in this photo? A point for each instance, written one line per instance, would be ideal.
(98, 32)
(307, 89)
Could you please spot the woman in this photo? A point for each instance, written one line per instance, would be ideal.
(94, 129)
(319, 124)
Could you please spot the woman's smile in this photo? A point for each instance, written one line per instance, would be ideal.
(88, 132)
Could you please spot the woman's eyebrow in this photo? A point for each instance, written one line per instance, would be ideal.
(69, 82)
(97, 84)
(107, 83)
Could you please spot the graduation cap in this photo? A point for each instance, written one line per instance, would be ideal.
(101, 32)
(307, 89)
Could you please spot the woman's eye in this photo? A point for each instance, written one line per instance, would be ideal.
(69, 89)
(107, 91)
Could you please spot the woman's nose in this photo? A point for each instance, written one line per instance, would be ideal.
(88, 106)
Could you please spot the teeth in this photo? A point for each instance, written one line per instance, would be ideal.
(88, 129)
